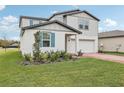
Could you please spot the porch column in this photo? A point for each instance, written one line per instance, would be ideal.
(76, 43)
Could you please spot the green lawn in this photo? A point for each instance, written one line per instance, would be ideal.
(83, 72)
(114, 53)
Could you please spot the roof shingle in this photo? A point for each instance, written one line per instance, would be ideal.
(110, 34)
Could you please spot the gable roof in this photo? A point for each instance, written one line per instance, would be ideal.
(70, 12)
(30, 17)
(110, 34)
(64, 12)
(83, 12)
(51, 22)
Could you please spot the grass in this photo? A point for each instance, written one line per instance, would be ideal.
(83, 72)
(114, 53)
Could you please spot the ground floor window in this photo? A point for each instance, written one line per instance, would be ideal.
(47, 39)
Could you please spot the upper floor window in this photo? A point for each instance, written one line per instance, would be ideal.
(83, 24)
(31, 22)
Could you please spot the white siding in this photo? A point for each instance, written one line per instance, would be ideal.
(26, 22)
(28, 38)
(91, 34)
(93, 25)
(55, 26)
(57, 17)
(72, 20)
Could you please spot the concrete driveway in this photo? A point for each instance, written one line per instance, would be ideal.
(108, 57)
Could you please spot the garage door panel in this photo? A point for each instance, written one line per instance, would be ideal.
(86, 46)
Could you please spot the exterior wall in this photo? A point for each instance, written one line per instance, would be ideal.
(85, 38)
(26, 42)
(28, 38)
(57, 17)
(26, 22)
(110, 44)
(54, 26)
(93, 24)
(91, 33)
(72, 20)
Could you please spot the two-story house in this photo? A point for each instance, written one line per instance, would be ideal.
(69, 31)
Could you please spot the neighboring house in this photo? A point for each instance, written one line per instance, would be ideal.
(112, 41)
(14, 45)
(69, 31)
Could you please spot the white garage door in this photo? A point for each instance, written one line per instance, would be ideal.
(87, 46)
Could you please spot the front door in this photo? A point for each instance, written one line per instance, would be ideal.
(71, 45)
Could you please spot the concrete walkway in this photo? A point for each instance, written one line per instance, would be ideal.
(108, 57)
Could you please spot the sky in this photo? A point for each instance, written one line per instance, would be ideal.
(111, 17)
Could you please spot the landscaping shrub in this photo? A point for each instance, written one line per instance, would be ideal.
(65, 55)
(27, 57)
(44, 57)
(48, 57)
(80, 53)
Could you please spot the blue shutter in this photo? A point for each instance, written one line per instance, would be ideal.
(41, 39)
(52, 39)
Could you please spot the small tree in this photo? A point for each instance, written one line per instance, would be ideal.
(5, 43)
(36, 51)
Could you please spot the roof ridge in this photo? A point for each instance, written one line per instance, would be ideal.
(112, 31)
(34, 17)
(84, 12)
(69, 11)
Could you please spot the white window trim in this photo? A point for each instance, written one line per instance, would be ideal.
(79, 23)
(47, 40)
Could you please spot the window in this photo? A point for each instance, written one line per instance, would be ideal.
(31, 22)
(80, 26)
(86, 27)
(83, 24)
(46, 39)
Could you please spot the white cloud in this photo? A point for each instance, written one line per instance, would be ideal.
(109, 22)
(9, 26)
(8, 20)
(2, 7)
(53, 12)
